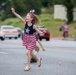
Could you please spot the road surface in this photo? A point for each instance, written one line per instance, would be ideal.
(58, 59)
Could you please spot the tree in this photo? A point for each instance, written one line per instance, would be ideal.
(32, 4)
(69, 4)
(74, 2)
(46, 3)
(3, 4)
(22, 7)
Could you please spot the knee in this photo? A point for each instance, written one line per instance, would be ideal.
(28, 53)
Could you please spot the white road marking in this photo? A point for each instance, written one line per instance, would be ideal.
(3, 53)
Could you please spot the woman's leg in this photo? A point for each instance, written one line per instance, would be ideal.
(37, 49)
(40, 44)
(37, 58)
(28, 54)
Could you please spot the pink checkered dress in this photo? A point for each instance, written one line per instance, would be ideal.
(29, 41)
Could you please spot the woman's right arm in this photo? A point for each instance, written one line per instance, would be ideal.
(17, 15)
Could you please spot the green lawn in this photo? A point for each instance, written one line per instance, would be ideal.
(46, 21)
(53, 25)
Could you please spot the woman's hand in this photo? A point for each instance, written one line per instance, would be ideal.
(44, 31)
(12, 9)
(38, 31)
(17, 15)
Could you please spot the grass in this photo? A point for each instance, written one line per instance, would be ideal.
(13, 21)
(53, 25)
(47, 21)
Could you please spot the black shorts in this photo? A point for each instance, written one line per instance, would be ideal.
(36, 35)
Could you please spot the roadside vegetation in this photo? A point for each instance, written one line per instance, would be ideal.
(47, 21)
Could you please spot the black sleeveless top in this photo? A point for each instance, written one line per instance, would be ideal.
(29, 29)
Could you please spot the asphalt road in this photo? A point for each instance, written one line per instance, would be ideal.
(58, 59)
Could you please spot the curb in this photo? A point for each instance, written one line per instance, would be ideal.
(73, 39)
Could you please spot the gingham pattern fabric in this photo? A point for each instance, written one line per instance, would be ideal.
(29, 41)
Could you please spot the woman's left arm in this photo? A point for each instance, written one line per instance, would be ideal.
(37, 30)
